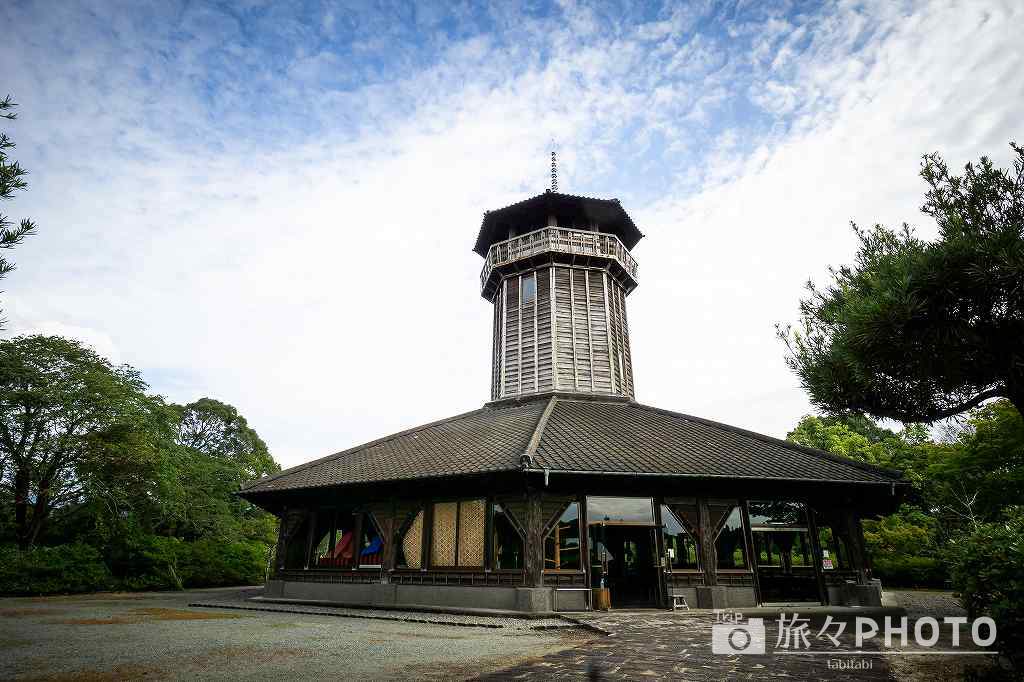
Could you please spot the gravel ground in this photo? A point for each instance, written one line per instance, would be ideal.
(158, 636)
(935, 603)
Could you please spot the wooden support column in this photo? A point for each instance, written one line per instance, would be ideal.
(534, 539)
(812, 530)
(309, 538)
(389, 531)
(660, 567)
(708, 560)
(283, 529)
(855, 542)
(748, 539)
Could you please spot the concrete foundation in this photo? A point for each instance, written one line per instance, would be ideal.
(523, 599)
(724, 597)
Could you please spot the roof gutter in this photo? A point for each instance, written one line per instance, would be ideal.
(638, 474)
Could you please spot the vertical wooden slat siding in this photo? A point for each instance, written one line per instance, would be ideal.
(627, 356)
(545, 348)
(602, 377)
(496, 349)
(563, 331)
(519, 362)
(590, 330)
(511, 375)
(504, 326)
(554, 331)
(573, 336)
(536, 332)
(572, 329)
(528, 340)
(608, 334)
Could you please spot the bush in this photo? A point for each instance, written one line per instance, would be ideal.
(910, 571)
(52, 570)
(988, 571)
(163, 563)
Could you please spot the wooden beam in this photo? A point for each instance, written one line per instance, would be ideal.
(534, 539)
(709, 563)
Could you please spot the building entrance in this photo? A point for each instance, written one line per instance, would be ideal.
(623, 550)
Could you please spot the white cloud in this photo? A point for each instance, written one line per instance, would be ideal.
(305, 254)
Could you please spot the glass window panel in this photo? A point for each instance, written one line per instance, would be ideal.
(345, 542)
(562, 545)
(507, 544)
(442, 547)
(680, 546)
(529, 288)
(833, 552)
(372, 545)
(410, 549)
(322, 547)
(777, 514)
(471, 532)
(729, 543)
(620, 510)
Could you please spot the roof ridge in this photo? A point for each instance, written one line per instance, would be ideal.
(822, 454)
(538, 430)
(369, 444)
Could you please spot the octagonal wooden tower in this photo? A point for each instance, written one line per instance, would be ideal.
(558, 269)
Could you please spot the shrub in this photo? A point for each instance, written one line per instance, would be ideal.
(988, 571)
(910, 571)
(164, 563)
(52, 570)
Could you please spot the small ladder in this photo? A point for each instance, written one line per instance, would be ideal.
(679, 601)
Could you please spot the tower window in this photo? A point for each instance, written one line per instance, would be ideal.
(529, 288)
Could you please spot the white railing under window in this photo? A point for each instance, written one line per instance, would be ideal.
(560, 239)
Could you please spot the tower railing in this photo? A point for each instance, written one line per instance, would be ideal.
(561, 240)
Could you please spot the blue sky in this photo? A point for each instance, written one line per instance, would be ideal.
(268, 203)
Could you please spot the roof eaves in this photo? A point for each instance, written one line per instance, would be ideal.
(588, 472)
(822, 454)
(337, 455)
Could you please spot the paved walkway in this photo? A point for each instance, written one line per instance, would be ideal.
(665, 645)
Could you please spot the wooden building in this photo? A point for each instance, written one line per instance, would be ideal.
(563, 483)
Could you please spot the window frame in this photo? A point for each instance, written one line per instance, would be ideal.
(532, 276)
(580, 525)
(490, 557)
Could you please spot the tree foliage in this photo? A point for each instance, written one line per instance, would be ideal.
(61, 408)
(957, 484)
(920, 331)
(89, 459)
(988, 569)
(12, 179)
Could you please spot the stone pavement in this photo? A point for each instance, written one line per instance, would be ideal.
(677, 646)
(464, 620)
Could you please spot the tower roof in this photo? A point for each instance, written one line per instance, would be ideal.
(533, 213)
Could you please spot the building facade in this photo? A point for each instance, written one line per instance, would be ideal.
(562, 483)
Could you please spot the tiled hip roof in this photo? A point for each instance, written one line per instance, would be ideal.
(572, 435)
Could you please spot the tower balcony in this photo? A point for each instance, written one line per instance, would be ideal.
(557, 244)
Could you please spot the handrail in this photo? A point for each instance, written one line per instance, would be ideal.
(561, 239)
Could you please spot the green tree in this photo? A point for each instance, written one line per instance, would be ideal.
(61, 408)
(920, 331)
(12, 178)
(215, 451)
